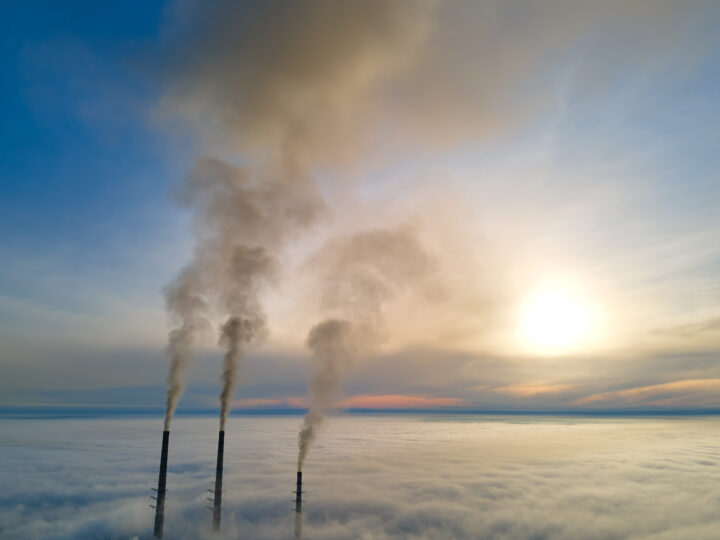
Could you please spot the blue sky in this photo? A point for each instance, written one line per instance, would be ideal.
(84, 177)
(585, 156)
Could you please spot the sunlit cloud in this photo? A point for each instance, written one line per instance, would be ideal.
(521, 390)
(264, 403)
(399, 401)
(684, 392)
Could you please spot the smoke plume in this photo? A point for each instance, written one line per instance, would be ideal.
(250, 268)
(425, 73)
(261, 84)
(187, 305)
(292, 86)
(240, 218)
(331, 345)
(359, 274)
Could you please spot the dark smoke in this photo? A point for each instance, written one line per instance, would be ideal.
(187, 305)
(241, 218)
(250, 268)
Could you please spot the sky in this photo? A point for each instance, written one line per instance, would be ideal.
(447, 170)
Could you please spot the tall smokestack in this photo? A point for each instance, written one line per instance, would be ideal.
(298, 506)
(160, 506)
(298, 493)
(217, 501)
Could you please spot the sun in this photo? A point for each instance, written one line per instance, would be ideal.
(553, 320)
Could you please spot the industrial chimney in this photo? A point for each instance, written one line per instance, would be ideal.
(298, 506)
(160, 505)
(217, 499)
(298, 493)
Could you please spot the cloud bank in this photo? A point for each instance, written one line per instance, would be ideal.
(436, 477)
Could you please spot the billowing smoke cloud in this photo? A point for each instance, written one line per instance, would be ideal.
(291, 86)
(240, 220)
(246, 324)
(331, 344)
(262, 75)
(335, 75)
(360, 274)
(263, 83)
(186, 303)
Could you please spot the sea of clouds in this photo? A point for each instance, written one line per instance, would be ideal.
(369, 477)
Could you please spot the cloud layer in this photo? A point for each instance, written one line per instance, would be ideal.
(418, 478)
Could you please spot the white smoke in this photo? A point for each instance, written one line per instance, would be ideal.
(268, 98)
(360, 274)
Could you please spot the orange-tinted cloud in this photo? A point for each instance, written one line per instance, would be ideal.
(521, 390)
(398, 401)
(687, 392)
(258, 403)
(364, 401)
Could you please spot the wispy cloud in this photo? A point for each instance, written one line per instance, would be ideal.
(399, 401)
(685, 392)
(690, 330)
(521, 390)
(269, 403)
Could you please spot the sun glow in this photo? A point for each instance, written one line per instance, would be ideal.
(552, 320)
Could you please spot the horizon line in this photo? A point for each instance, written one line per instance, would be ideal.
(85, 411)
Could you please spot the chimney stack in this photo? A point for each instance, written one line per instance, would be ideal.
(298, 506)
(160, 506)
(217, 500)
(298, 493)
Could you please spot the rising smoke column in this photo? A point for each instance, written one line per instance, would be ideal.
(271, 85)
(246, 324)
(186, 304)
(250, 269)
(240, 218)
(359, 274)
(231, 333)
(331, 345)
